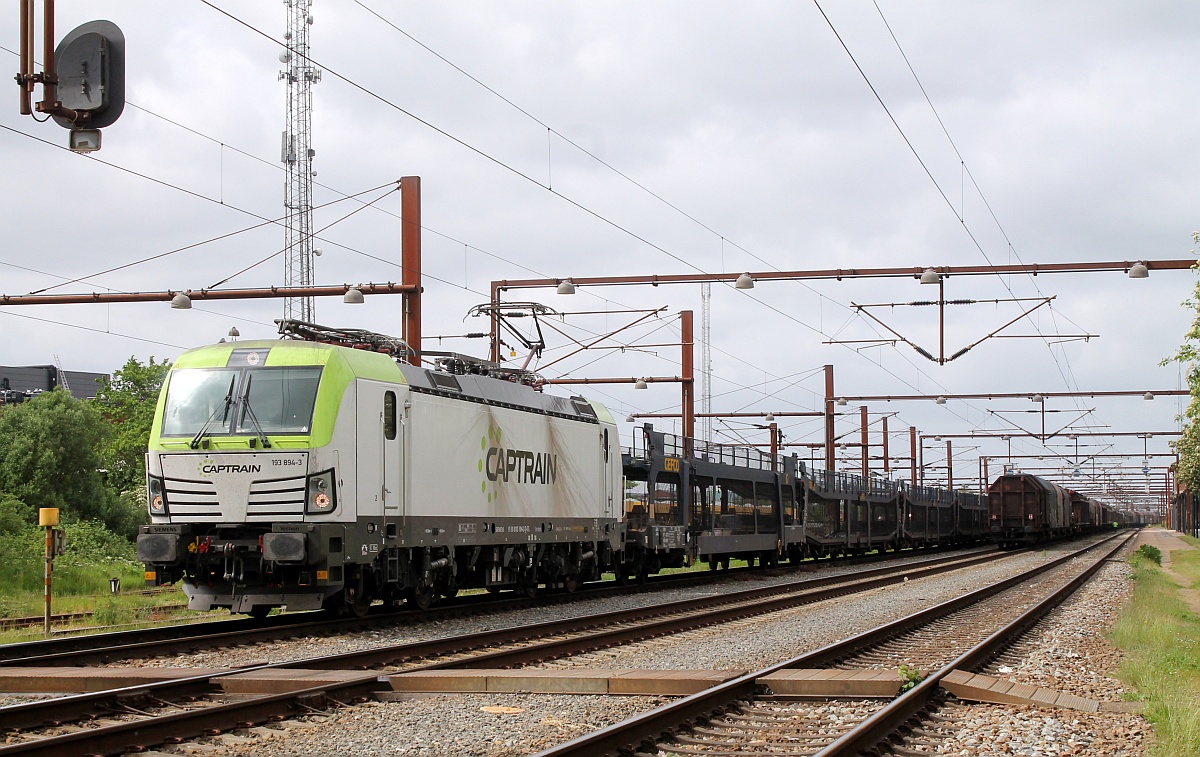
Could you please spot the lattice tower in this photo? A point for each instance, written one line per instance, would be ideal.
(297, 157)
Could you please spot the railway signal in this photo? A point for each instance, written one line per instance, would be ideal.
(83, 78)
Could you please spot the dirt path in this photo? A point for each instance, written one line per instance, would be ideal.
(1168, 542)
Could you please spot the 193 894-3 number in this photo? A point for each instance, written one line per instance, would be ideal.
(282, 461)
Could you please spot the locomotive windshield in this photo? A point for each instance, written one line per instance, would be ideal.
(215, 400)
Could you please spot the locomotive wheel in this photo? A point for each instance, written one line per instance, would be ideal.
(570, 583)
(421, 597)
(258, 612)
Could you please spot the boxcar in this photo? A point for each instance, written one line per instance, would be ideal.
(1025, 509)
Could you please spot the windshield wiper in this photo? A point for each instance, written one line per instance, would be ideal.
(247, 410)
(224, 411)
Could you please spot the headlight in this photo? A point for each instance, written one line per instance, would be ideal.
(156, 495)
(321, 494)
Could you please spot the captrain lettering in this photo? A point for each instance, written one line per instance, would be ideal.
(230, 468)
(521, 466)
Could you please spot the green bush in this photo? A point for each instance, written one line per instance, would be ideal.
(1151, 553)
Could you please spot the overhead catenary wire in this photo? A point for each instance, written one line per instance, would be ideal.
(478, 151)
(916, 154)
(1066, 372)
(269, 221)
(489, 253)
(497, 161)
(615, 170)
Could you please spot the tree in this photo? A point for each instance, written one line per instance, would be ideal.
(50, 456)
(1188, 445)
(127, 400)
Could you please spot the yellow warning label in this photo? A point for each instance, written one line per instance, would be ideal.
(151, 575)
(322, 575)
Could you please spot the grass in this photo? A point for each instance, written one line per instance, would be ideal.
(1160, 637)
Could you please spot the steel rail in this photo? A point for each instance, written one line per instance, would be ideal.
(647, 729)
(883, 723)
(180, 726)
(608, 629)
(149, 642)
(119, 645)
(37, 714)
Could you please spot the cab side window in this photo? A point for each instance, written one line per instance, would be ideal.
(389, 415)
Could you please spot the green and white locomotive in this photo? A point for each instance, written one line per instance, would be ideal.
(323, 471)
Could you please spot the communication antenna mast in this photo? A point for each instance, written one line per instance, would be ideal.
(297, 158)
(706, 361)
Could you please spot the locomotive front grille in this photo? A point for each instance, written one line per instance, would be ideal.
(192, 499)
(281, 499)
(276, 499)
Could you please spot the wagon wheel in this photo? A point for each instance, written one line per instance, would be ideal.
(528, 585)
(570, 583)
(258, 612)
(421, 597)
(360, 606)
(621, 568)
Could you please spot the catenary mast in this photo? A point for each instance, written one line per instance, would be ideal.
(297, 158)
(706, 361)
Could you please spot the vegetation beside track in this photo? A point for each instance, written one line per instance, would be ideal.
(81, 582)
(1160, 637)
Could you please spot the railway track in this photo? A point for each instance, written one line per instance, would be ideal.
(741, 716)
(189, 707)
(172, 639)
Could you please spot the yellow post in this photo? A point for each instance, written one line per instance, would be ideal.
(48, 519)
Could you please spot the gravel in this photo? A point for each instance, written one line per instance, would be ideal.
(465, 724)
(986, 730)
(317, 646)
(458, 724)
(1067, 652)
(760, 641)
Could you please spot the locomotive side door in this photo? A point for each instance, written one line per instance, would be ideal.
(393, 487)
(378, 450)
(610, 455)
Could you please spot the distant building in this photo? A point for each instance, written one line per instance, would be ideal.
(18, 383)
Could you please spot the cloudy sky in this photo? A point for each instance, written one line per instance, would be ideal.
(620, 138)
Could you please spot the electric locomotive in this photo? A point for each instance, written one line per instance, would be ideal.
(321, 470)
